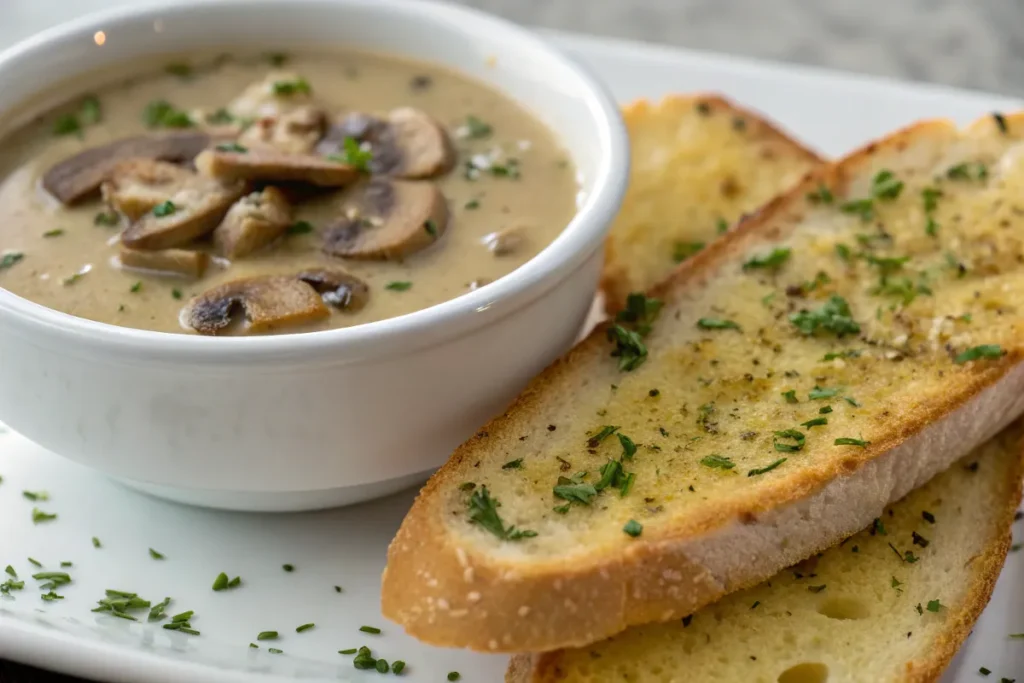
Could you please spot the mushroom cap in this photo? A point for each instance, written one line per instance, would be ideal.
(408, 143)
(295, 132)
(388, 219)
(337, 288)
(198, 208)
(253, 222)
(81, 175)
(166, 261)
(271, 165)
(269, 302)
(135, 186)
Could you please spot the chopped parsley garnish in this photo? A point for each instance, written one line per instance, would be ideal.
(353, 154)
(864, 208)
(67, 124)
(602, 434)
(300, 228)
(454, 675)
(39, 516)
(10, 258)
(176, 293)
(815, 422)
(510, 169)
(156, 555)
(822, 195)
(516, 464)
(852, 353)
(163, 114)
(166, 208)
(772, 260)
(136, 288)
(987, 351)
(897, 584)
(765, 470)
(633, 528)
(629, 347)
(477, 129)
(470, 205)
(574, 492)
(933, 606)
(717, 324)
(628, 447)
(885, 185)
(794, 435)
(36, 496)
(790, 396)
(299, 86)
(304, 628)
(847, 441)
(271, 650)
(640, 312)
(834, 316)
(56, 232)
(852, 401)
(232, 147)
(967, 171)
(431, 227)
(684, 250)
(721, 226)
(370, 629)
(106, 218)
(398, 285)
(823, 392)
(984, 672)
(930, 196)
(34, 562)
(717, 461)
(221, 582)
(843, 252)
(1000, 122)
(267, 635)
(397, 667)
(483, 511)
(288, 567)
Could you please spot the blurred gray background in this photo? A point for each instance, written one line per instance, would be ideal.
(969, 43)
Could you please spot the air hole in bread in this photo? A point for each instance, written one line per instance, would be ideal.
(844, 608)
(807, 672)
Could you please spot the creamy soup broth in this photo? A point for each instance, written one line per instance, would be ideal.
(65, 257)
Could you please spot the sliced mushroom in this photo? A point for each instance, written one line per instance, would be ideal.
(407, 144)
(295, 132)
(253, 222)
(273, 166)
(80, 176)
(268, 302)
(277, 93)
(388, 219)
(338, 288)
(504, 242)
(173, 261)
(187, 214)
(135, 186)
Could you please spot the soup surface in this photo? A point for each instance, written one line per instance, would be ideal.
(368, 186)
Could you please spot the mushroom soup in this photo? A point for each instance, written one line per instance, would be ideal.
(276, 193)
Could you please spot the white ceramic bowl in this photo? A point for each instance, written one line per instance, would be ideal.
(328, 418)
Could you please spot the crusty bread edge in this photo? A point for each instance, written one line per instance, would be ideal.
(613, 285)
(425, 555)
(534, 667)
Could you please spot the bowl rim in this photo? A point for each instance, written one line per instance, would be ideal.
(574, 244)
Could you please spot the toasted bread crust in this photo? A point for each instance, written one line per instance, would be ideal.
(542, 605)
(547, 667)
(618, 278)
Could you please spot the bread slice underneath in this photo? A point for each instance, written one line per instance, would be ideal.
(857, 612)
(699, 162)
(824, 358)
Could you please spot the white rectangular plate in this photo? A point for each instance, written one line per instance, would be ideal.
(833, 112)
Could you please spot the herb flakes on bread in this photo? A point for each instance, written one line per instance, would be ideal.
(699, 162)
(859, 334)
(858, 612)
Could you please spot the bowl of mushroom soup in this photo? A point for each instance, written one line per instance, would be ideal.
(287, 254)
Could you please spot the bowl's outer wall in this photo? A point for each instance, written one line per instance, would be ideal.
(334, 415)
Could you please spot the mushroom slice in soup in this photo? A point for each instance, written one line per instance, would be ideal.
(189, 213)
(135, 186)
(406, 144)
(388, 219)
(295, 132)
(253, 222)
(338, 288)
(80, 176)
(279, 92)
(271, 165)
(268, 302)
(169, 261)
